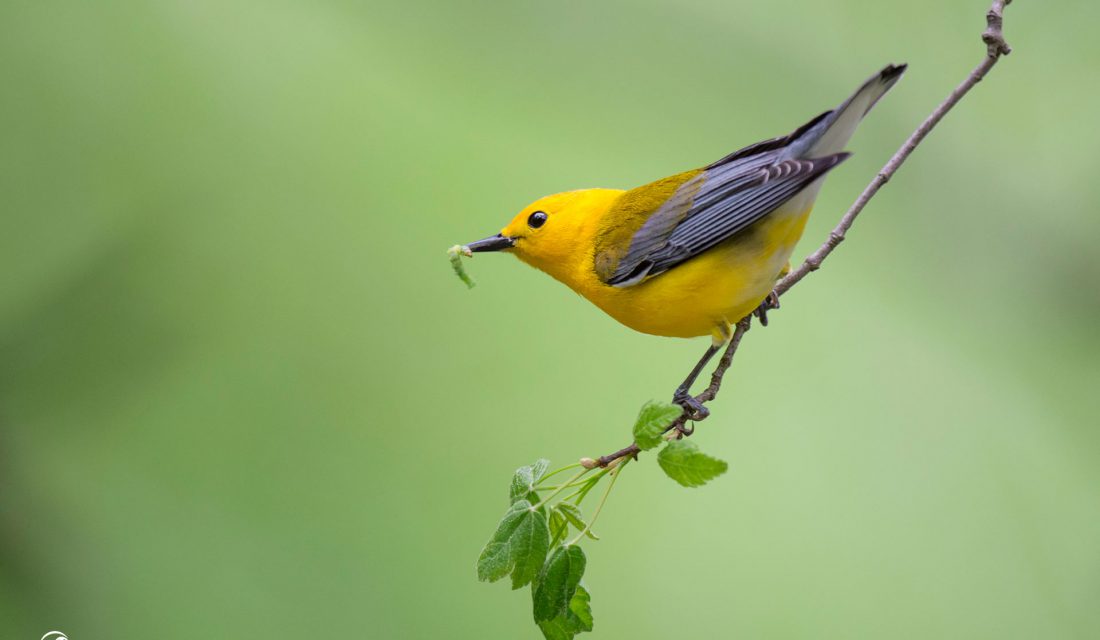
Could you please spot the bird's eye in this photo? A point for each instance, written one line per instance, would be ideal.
(536, 219)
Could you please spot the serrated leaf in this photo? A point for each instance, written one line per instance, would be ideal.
(682, 461)
(557, 584)
(538, 470)
(530, 543)
(576, 620)
(581, 607)
(494, 562)
(558, 629)
(525, 479)
(518, 546)
(522, 481)
(652, 421)
(573, 514)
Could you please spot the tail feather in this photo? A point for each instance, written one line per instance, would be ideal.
(828, 135)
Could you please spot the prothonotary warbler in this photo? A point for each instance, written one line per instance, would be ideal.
(693, 253)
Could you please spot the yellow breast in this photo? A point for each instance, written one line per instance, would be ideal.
(699, 297)
(706, 294)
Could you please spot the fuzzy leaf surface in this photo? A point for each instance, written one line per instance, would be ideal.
(652, 421)
(557, 584)
(517, 547)
(576, 620)
(525, 478)
(682, 461)
(572, 513)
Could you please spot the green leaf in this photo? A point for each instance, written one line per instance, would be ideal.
(559, 526)
(557, 629)
(557, 584)
(525, 479)
(530, 544)
(581, 607)
(521, 485)
(573, 514)
(652, 421)
(576, 620)
(494, 562)
(539, 469)
(683, 462)
(518, 546)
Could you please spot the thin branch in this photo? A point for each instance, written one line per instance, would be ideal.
(996, 47)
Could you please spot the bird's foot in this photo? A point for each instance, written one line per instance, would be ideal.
(769, 303)
(692, 407)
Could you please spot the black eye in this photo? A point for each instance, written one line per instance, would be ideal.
(536, 219)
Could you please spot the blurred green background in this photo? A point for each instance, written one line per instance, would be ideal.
(243, 395)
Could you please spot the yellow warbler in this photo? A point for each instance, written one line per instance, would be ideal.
(691, 254)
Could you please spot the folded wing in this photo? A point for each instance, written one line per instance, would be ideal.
(725, 198)
(731, 194)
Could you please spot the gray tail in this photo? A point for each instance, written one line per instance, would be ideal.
(828, 133)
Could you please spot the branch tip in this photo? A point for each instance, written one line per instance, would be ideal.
(993, 36)
(996, 47)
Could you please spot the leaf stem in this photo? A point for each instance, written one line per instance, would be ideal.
(575, 483)
(570, 496)
(583, 492)
(557, 471)
(548, 498)
(596, 514)
(585, 487)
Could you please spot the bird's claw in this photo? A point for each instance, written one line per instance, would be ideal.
(769, 303)
(692, 407)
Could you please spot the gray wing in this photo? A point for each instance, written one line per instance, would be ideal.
(731, 194)
(725, 198)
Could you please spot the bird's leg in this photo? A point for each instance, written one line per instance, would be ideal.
(772, 301)
(695, 409)
(769, 303)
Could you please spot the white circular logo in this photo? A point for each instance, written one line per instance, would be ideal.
(55, 635)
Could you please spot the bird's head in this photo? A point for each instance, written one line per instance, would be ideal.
(553, 234)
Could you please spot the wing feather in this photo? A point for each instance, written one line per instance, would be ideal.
(725, 198)
(731, 194)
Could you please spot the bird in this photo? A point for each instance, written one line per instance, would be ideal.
(691, 254)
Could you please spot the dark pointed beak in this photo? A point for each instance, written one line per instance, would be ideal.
(492, 243)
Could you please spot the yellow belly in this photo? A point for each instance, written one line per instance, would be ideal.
(711, 291)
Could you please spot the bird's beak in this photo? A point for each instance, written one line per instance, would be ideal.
(492, 243)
